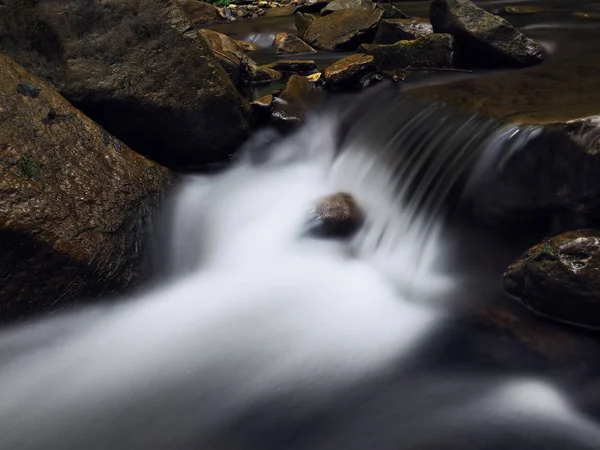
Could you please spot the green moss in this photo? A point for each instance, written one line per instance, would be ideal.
(29, 167)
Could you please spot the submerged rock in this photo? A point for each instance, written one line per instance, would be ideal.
(200, 13)
(486, 39)
(337, 215)
(434, 50)
(288, 44)
(343, 30)
(391, 31)
(297, 97)
(560, 278)
(291, 66)
(137, 67)
(76, 201)
(349, 73)
(339, 5)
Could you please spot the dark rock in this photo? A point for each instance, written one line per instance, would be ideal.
(343, 30)
(76, 202)
(290, 66)
(560, 278)
(486, 39)
(138, 68)
(434, 50)
(391, 31)
(310, 8)
(264, 75)
(338, 215)
(349, 72)
(338, 5)
(302, 21)
(261, 110)
(297, 97)
(200, 13)
(287, 44)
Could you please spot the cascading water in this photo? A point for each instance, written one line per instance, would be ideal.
(260, 327)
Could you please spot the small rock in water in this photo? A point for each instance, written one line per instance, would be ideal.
(292, 104)
(288, 44)
(338, 215)
(348, 72)
(391, 31)
(431, 51)
(261, 110)
(343, 30)
(524, 9)
(264, 75)
(338, 5)
(300, 66)
(486, 39)
(560, 278)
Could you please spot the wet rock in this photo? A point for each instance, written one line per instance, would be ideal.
(524, 9)
(138, 68)
(486, 39)
(348, 73)
(288, 44)
(291, 66)
(559, 278)
(264, 75)
(338, 215)
(200, 13)
(296, 98)
(338, 5)
(302, 21)
(434, 50)
(76, 202)
(261, 110)
(391, 31)
(343, 30)
(310, 7)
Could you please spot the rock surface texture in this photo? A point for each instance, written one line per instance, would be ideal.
(486, 39)
(288, 44)
(137, 67)
(560, 278)
(349, 72)
(75, 201)
(391, 31)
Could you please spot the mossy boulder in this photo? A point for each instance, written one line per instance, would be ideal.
(484, 38)
(343, 30)
(349, 73)
(431, 51)
(137, 67)
(339, 5)
(288, 44)
(560, 278)
(391, 31)
(76, 202)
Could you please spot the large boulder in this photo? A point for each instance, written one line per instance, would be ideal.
(338, 5)
(560, 278)
(431, 51)
(343, 30)
(76, 202)
(288, 44)
(138, 67)
(391, 31)
(350, 72)
(200, 13)
(486, 39)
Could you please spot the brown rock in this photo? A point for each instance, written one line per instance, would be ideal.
(559, 278)
(338, 5)
(264, 75)
(200, 13)
(434, 50)
(297, 97)
(261, 109)
(290, 66)
(348, 72)
(302, 21)
(287, 44)
(76, 202)
(338, 215)
(391, 31)
(343, 30)
(137, 67)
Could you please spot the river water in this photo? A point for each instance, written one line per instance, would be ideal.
(259, 335)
